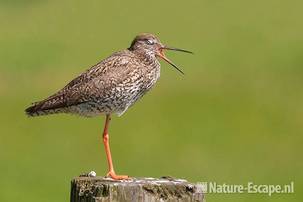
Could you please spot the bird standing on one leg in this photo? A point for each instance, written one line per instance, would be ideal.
(110, 86)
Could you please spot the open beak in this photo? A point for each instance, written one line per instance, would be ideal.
(162, 55)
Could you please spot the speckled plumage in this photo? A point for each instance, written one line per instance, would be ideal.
(110, 86)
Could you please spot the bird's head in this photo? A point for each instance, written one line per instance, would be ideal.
(151, 45)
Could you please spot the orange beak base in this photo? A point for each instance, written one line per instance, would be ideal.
(162, 55)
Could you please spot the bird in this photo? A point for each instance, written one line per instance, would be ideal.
(110, 87)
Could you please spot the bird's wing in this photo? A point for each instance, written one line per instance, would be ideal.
(99, 69)
(91, 84)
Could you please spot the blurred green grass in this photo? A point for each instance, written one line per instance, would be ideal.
(236, 115)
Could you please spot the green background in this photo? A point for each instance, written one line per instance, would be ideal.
(236, 116)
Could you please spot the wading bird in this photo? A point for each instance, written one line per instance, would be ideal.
(110, 86)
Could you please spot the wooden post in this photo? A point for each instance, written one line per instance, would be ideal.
(99, 189)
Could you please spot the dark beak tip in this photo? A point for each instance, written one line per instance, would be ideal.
(177, 49)
(186, 51)
(190, 52)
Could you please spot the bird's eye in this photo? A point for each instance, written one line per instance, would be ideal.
(149, 42)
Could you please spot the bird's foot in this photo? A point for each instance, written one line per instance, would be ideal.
(113, 175)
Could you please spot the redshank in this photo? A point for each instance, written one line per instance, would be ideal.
(110, 86)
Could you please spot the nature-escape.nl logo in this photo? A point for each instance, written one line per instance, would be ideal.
(250, 187)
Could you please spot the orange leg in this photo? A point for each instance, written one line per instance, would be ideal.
(111, 173)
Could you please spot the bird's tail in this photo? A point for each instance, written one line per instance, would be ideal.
(37, 110)
(51, 105)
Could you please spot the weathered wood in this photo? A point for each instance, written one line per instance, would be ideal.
(99, 189)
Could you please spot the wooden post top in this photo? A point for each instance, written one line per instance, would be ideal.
(100, 189)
